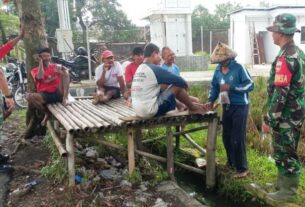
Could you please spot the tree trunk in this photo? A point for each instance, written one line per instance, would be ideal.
(83, 26)
(35, 37)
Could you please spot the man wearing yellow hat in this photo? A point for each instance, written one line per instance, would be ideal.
(286, 106)
(232, 83)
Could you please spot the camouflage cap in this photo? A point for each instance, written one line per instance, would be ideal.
(284, 23)
(221, 53)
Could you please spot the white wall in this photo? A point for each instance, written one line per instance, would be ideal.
(239, 32)
(157, 30)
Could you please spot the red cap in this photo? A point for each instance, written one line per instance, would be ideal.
(106, 54)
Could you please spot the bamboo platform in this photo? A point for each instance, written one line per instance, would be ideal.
(83, 116)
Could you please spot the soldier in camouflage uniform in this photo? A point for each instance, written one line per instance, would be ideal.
(286, 105)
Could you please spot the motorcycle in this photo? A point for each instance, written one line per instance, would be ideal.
(78, 66)
(16, 78)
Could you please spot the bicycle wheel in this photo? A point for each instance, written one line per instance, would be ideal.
(19, 97)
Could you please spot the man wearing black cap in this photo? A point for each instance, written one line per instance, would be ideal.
(286, 106)
(52, 83)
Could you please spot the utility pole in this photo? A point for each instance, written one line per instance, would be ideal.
(64, 33)
(201, 37)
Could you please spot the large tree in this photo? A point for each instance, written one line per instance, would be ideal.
(35, 37)
(107, 18)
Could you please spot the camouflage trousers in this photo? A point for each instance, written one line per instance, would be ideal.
(285, 143)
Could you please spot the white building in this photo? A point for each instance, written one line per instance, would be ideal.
(170, 25)
(245, 22)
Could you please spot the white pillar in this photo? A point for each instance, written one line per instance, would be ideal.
(63, 13)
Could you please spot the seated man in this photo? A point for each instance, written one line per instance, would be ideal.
(169, 58)
(137, 59)
(109, 76)
(154, 90)
(52, 83)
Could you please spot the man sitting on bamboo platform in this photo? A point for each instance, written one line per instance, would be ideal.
(52, 83)
(154, 91)
(110, 81)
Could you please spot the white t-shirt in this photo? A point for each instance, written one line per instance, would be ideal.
(144, 92)
(111, 75)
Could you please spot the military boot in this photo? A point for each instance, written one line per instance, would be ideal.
(287, 189)
(279, 181)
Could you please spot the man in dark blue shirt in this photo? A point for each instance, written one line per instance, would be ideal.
(232, 83)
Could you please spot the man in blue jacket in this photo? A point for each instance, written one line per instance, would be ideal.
(232, 83)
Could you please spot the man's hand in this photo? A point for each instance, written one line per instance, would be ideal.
(266, 128)
(126, 94)
(224, 87)
(211, 106)
(106, 66)
(10, 104)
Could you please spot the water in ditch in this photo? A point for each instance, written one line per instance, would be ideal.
(193, 184)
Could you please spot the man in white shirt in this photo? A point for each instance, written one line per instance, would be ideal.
(154, 91)
(109, 79)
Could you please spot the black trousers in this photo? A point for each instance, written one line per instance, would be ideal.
(234, 122)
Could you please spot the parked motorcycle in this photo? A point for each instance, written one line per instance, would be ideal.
(78, 66)
(16, 78)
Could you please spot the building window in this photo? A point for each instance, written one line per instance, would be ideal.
(302, 35)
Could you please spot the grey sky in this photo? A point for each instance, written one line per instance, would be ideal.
(136, 9)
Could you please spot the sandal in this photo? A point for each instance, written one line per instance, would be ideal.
(241, 174)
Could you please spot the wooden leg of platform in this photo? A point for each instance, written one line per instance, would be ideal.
(211, 147)
(71, 158)
(131, 151)
(170, 154)
(138, 138)
(178, 129)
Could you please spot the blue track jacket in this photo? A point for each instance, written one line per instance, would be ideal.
(239, 80)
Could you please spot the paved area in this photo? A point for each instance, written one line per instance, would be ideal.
(206, 76)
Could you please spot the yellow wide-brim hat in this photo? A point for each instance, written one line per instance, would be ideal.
(222, 52)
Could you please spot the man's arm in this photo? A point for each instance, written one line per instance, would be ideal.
(10, 45)
(6, 91)
(246, 83)
(122, 84)
(102, 79)
(281, 89)
(40, 74)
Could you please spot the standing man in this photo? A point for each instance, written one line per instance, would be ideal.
(109, 79)
(7, 105)
(232, 83)
(52, 83)
(286, 105)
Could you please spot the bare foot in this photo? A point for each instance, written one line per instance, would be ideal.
(45, 119)
(98, 98)
(65, 102)
(241, 174)
(198, 110)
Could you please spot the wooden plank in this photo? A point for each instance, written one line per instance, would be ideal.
(211, 148)
(170, 154)
(56, 140)
(192, 142)
(70, 159)
(131, 151)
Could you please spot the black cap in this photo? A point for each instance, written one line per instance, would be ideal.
(42, 50)
(137, 51)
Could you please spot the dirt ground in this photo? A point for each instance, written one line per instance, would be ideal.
(32, 155)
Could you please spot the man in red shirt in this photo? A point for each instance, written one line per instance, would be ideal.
(137, 59)
(52, 83)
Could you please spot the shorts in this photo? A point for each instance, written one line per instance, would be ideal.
(116, 91)
(166, 102)
(51, 97)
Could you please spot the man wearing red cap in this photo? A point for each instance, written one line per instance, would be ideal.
(109, 79)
